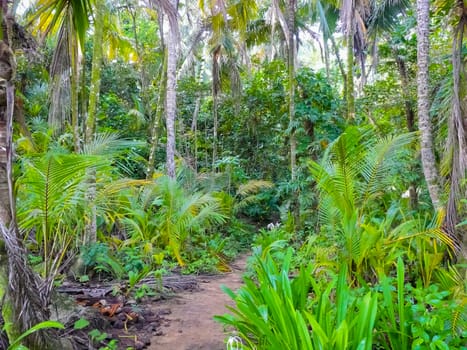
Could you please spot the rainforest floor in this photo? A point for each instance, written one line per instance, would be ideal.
(179, 319)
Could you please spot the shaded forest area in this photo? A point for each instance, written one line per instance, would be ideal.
(145, 140)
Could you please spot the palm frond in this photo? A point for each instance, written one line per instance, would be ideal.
(384, 14)
(55, 187)
(108, 144)
(52, 13)
(253, 187)
(379, 162)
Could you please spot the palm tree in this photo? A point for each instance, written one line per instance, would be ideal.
(170, 8)
(424, 122)
(70, 19)
(97, 55)
(457, 127)
(287, 23)
(24, 304)
(361, 19)
(225, 19)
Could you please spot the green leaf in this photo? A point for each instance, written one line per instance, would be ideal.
(80, 324)
(16, 345)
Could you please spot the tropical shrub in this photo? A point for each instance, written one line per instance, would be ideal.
(354, 172)
(165, 215)
(51, 200)
(419, 317)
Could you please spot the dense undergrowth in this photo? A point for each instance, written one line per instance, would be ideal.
(363, 270)
(371, 276)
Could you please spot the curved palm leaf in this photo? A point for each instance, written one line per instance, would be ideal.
(52, 14)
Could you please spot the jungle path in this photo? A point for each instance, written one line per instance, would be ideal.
(189, 315)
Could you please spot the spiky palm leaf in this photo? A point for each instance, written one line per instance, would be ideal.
(50, 200)
(178, 214)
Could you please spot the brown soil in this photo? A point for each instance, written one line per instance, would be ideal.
(183, 321)
(188, 323)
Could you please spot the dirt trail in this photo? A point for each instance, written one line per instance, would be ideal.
(190, 323)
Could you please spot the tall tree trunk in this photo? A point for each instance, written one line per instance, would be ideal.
(409, 116)
(170, 8)
(90, 235)
(23, 303)
(194, 130)
(291, 6)
(291, 85)
(156, 122)
(457, 135)
(74, 86)
(350, 89)
(215, 102)
(424, 121)
(97, 54)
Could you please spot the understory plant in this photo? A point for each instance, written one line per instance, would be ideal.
(165, 215)
(419, 316)
(359, 209)
(279, 308)
(275, 311)
(51, 203)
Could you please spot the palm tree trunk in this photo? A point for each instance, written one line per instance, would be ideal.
(424, 122)
(194, 130)
(23, 303)
(291, 92)
(350, 90)
(457, 136)
(74, 79)
(97, 54)
(171, 10)
(155, 128)
(215, 103)
(409, 116)
(291, 86)
(90, 235)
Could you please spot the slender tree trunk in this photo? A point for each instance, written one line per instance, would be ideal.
(194, 130)
(409, 116)
(74, 79)
(170, 8)
(90, 235)
(424, 121)
(97, 54)
(155, 129)
(291, 86)
(350, 89)
(215, 103)
(457, 136)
